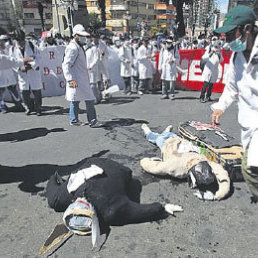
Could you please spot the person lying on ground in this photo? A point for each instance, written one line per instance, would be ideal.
(181, 159)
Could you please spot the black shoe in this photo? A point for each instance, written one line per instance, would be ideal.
(38, 113)
(208, 99)
(202, 101)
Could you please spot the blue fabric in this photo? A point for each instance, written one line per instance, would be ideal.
(159, 139)
(74, 111)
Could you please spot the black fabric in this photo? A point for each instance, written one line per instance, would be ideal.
(109, 193)
(203, 174)
(210, 137)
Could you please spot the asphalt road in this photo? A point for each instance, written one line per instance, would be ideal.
(33, 148)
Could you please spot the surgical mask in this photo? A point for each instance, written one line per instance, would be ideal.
(88, 40)
(83, 40)
(117, 43)
(237, 45)
(7, 44)
(127, 43)
(213, 42)
(169, 45)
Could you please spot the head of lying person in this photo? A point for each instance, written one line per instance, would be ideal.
(201, 175)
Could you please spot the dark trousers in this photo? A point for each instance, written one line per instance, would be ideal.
(206, 85)
(29, 103)
(128, 86)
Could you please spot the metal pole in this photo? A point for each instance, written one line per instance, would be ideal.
(57, 16)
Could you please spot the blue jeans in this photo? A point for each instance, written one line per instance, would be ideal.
(90, 108)
(159, 139)
(166, 85)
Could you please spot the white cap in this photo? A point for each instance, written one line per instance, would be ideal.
(169, 41)
(3, 37)
(79, 30)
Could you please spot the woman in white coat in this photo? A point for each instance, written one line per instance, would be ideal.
(125, 55)
(213, 58)
(77, 79)
(170, 57)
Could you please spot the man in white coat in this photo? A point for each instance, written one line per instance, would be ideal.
(241, 86)
(145, 67)
(77, 79)
(213, 58)
(93, 59)
(169, 60)
(29, 78)
(125, 55)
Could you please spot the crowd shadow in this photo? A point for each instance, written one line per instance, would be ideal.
(29, 176)
(29, 134)
(120, 100)
(117, 122)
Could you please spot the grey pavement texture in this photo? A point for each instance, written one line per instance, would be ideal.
(33, 148)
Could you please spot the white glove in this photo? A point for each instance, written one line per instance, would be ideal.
(171, 208)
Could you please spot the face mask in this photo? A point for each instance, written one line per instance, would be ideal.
(213, 42)
(88, 40)
(82, 40)
(237, 45)
(117, 43)
(7, 44)
(168, 45)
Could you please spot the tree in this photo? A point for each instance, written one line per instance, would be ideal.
(41, 14)
(94, 22)
(102, 7)
(180, 15)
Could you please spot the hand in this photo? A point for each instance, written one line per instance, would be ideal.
(23, 69)
(89, 69)
(171, 61)
(148, 56)
(101, 52)
(73, 84)
(27, 59)
(215, 117)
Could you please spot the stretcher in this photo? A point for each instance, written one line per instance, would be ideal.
(216, 145)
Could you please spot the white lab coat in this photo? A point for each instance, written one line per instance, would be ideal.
(242, 86)
(75, 68)
(7, 62)
(103, 64)
(93, 59)
(169, 71)
(135, 66)
(211, 68)
(125, 55)
(145, 65)
(32, 78)
(7, 76)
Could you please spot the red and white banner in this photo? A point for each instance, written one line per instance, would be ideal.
(192, 80)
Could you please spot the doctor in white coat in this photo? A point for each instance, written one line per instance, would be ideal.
(77, 79)
(145, 67)
(242, 87)
(29, 78)
(125, 55)
(213, 58)
(169, 60)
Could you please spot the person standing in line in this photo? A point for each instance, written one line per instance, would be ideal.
(213, 58)
(29, 78)
(93, 59)
(135, 66)
(77, 79)
(125, 55)
(8, 80)
(145, 67)
(169, 60)
(242, 86)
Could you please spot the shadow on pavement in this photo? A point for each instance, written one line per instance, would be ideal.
(28, 134)
(120, 100)
(31, 175)
(116, 122)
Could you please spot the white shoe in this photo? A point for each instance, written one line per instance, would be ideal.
(145, 128)
(140, 92)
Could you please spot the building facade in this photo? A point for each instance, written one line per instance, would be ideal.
(123, 16)
(165, 15)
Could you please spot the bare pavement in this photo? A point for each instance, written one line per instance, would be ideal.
(33, 148)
